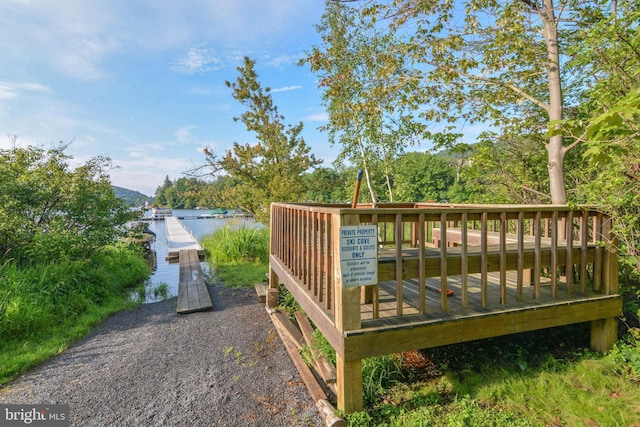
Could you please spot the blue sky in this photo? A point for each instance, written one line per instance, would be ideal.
(142, 81)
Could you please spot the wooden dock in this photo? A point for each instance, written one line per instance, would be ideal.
(193, 294)
(180, 239)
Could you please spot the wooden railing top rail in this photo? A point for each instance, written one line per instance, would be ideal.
(412, 208)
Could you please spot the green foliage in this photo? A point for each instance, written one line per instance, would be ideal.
(327, 185)
(271, 169)
(323, 345)
(365, 94)
(183, 193)
(530, 379)
(421, 177)
(626, 355)
(380, 373)
(37, 297)
(507, 170)
(239, 255)
(243, 244)
(53, 303)
(51, 212)
(240, 275)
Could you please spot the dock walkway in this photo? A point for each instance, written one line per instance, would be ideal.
(193, 294)
(179, 239)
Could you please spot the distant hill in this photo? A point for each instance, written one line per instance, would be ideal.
(131, 197)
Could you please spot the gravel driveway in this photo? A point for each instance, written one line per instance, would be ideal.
(152, 367)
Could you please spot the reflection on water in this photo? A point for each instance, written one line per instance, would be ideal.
(169, 274)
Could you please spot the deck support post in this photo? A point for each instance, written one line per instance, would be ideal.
(272, 292)
(349, 384)
(347, 317)
(604, 334)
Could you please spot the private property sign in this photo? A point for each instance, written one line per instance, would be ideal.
(359, 255)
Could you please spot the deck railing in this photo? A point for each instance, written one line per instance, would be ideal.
(570, 247)
(302, 240)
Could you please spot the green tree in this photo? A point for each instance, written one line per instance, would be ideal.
(325, 185)
(423, 177)
(160, 197)
(368, 115)
(272, 169)
(606, 122)
(50, 211)
(491, 62)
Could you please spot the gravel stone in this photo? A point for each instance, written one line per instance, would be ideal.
(152, 367)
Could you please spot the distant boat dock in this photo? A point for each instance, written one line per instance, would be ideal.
(162, 214)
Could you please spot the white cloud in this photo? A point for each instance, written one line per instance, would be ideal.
(197, 60)
(183, 135)
(78, 37)
(286, 88)
(280, 60)
(316, 117)
(11, 90)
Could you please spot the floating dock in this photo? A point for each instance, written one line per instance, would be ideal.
(180, 239)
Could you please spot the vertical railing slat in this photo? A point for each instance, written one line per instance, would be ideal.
(421, 264)
(321, 257)
(537, 254)
(520, 257)
(569, 256)
(584, 241)
(376, 290)
(443, 263)
(483, 259)
(464, 262)
(398, 239)
(597, 263)
(503, 258)
(554, 254)
(314, 252)
(330, 279)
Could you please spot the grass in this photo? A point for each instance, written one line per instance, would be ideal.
(534, 379)
(239, 255)
(20, 355)
(45, 307)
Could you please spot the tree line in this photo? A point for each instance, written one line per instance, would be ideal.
(417, 176)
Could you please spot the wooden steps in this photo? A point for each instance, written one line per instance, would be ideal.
(193, 294)
(261, 290)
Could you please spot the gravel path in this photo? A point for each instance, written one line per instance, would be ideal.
(152, 367)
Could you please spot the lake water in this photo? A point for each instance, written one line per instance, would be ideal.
(169, 273)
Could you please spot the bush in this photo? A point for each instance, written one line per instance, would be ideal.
(50, 211)
(244, 244)
(36, 298)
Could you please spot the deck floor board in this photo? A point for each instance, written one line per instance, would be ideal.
(411, 297)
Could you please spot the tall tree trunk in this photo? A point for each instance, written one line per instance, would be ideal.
(555, 146)
(365, 166)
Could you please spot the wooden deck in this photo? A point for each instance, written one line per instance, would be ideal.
(511, 268)
(193, 294)
(411, 297)
(180, 239)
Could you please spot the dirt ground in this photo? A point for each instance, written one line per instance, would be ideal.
(151, 367)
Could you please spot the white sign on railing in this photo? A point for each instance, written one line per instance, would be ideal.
(359, 255)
